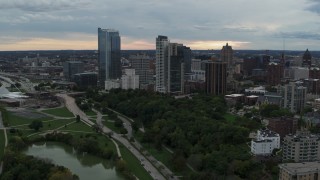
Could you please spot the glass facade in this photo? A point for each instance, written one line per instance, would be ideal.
(109, 50)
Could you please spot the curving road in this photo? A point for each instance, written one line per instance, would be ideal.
(148, 166)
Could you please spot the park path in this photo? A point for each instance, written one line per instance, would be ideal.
(5, 139)
(147, 165)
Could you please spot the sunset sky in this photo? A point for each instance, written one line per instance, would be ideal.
(202, 24)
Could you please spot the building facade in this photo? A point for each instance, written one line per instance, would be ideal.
(130, 80)
(306, 59)
(109, 55)
(141, 64)
(274, 73)
(70, 68)
(283, 125)
(162, 44)
(86, 80)
(216, 77)
(265, 142)
(299, 171)
(301, 147)
(226, 55)
(294, 96)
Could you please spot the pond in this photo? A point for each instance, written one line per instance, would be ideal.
(85, 166)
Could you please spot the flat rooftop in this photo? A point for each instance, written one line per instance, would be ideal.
(301, 168)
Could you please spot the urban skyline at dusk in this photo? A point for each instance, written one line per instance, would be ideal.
(244, 24)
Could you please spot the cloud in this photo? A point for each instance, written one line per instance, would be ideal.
(299, 35)
(42, 5)
(314, 6)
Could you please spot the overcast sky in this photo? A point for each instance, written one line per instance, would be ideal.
(201, 24)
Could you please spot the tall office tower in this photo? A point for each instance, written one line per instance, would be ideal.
(226, 55)
(306, 60)
(216, 77)
(187, 56)
(109, 55)
(70, 68)
(162, 43)
(294, 96)
(141, 64)
(175, 81)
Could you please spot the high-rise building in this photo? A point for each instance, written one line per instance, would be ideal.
(70, 68)
(274, 73)
(294, 96)
(141, 64)
(109, 55)
(162, 43)
(175, 68)
(226, 55)
(216, 77)
(301, 147)
(170, 66)
(306, 59)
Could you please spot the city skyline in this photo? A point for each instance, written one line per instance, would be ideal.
(244, 24)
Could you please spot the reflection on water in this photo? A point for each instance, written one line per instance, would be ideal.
(85, 166)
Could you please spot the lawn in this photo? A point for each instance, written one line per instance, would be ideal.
(62, 112)
(90, 113)
(78, 126)
(230, 117)
(2, 141)
(111, 126)
(15, 120)
(134, 164)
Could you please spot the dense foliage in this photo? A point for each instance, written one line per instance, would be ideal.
(195, 128)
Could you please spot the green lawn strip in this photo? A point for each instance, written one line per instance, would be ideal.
(134, 164)
(78, 126)
(62, 112)
(15, 120)
(90, 113)
(2, 141)
(230, 117)
(111, 126)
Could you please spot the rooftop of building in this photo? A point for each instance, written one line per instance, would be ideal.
(301, 168)
(268, 133)
(234, 95)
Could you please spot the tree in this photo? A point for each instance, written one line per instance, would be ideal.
(36, 125)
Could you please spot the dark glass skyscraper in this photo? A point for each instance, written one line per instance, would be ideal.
(109, 55)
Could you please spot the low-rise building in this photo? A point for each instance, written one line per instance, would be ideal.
(265, 142)
(283, 125)
(299, 171)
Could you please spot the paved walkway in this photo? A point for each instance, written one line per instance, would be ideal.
(148, 166)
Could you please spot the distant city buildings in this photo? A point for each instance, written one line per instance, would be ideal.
(86, 80)
(274, 73)
(70, 68)
(109, 55)
(216, 77)
(294, 96)
(306, 59)
(226, 55)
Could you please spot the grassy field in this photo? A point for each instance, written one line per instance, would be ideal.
(15, 120)
(132, 163)
(78, 126)
(111, 126)
(230, 117)
(2, 141)
(90, 113)
(62, 112)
